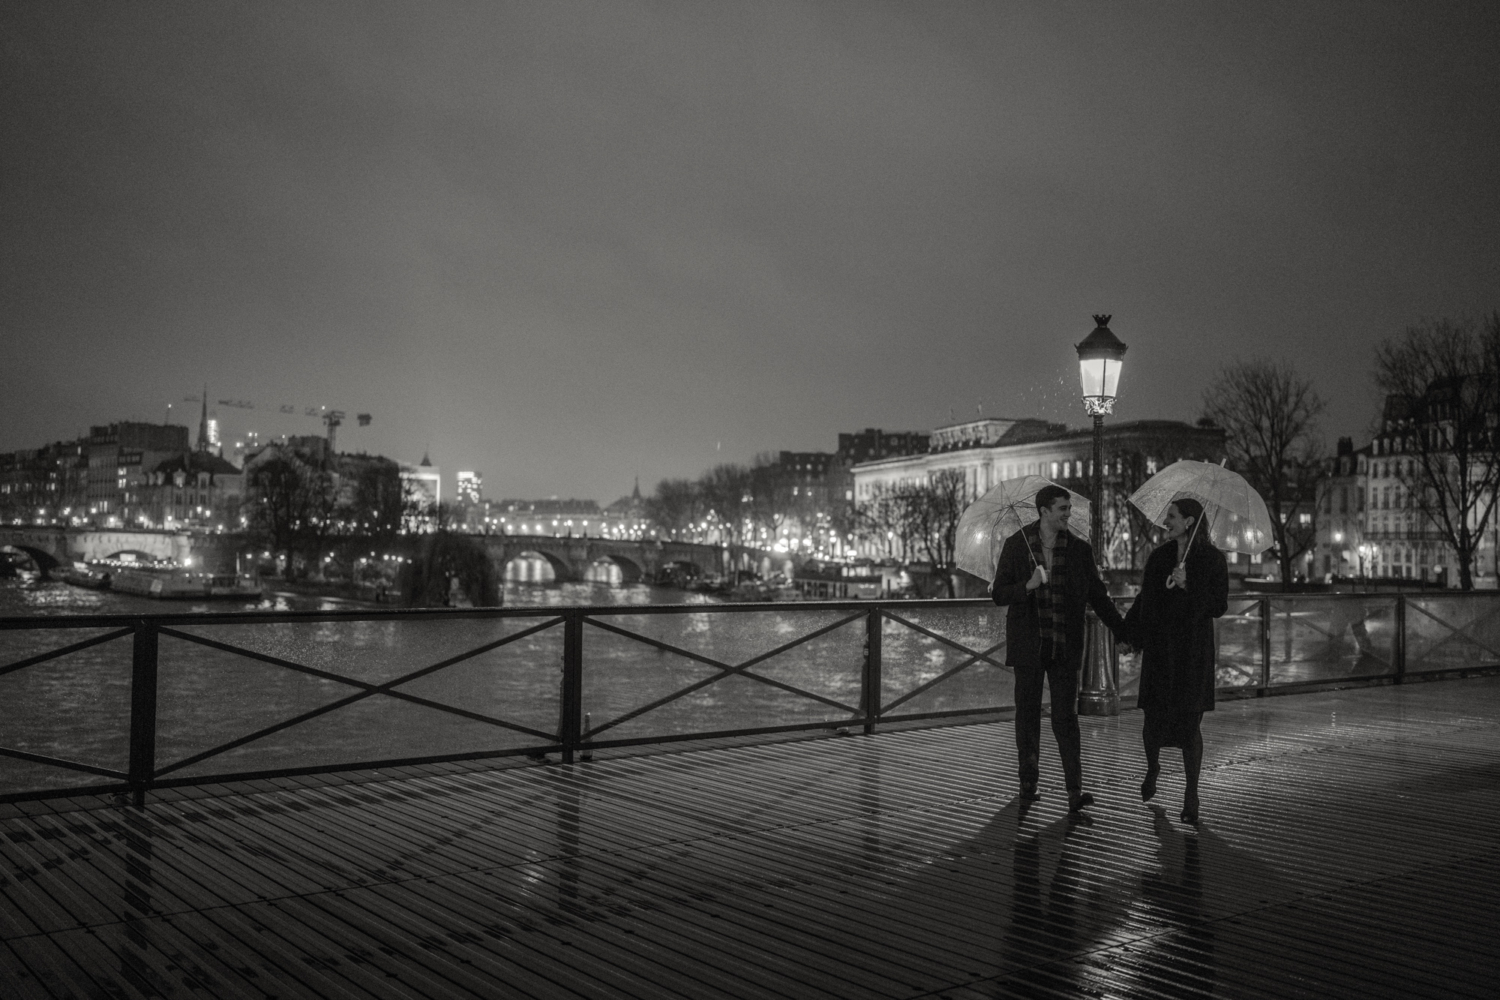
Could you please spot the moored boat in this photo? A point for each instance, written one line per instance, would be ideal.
(94, 576)
(184, 584)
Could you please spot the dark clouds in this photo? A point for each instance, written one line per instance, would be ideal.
(564, 243)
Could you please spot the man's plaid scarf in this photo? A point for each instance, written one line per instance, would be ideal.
(1049, 598)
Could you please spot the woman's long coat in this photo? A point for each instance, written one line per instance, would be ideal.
(1175, 628)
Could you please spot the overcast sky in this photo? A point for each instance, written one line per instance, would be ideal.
(569, 243)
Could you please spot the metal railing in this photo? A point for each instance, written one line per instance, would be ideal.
(219, 697)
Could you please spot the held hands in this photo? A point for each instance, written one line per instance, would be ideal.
(1038, 578)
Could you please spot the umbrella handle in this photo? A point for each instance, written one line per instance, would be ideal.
(1191, 536)
(1194, 534)
(1034, 563)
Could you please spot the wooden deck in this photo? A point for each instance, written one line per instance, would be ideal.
(1348, 848)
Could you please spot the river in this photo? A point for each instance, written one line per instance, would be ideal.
(19, 598)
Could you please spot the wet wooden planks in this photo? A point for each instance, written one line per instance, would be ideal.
(1348, 848)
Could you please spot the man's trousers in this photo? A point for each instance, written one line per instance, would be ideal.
(1062, 681)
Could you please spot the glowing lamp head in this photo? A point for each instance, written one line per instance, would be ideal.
(1101, 355)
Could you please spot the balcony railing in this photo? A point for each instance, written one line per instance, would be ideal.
(127, 704)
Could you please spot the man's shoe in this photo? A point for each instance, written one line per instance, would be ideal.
(1148, 787)
(1077, 800)
(1029, 792)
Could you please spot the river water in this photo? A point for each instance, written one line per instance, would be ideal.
(21, 598)
(77, 706)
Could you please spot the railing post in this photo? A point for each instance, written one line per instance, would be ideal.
(572, 685)
(1265, 646)
(143, 711)
(1400, 638)
(870, 702)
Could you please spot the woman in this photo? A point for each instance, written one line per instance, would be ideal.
(1184, 588)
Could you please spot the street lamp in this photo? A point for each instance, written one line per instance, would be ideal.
(1101, 355)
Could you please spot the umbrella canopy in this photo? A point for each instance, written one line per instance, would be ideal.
(1234, 515)
(1008, 507)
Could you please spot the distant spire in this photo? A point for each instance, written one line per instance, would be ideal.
(636, 495)
(203, 422)
(425, 460)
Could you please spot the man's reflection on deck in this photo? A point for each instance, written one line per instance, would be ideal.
(1054, 915)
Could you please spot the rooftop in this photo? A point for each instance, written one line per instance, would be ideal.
(1347, 848)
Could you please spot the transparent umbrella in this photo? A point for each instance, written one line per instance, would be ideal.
(1007, 508)
(1234, 515)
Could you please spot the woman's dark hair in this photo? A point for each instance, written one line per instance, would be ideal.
(1188, 507)
(1049, 495)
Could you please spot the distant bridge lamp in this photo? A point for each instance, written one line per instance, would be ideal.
(1101, 357)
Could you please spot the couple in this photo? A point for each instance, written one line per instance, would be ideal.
(1046, 576)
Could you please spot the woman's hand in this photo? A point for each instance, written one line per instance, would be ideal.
(1179, 576)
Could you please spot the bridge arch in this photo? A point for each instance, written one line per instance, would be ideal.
(630, 570)
(562, 571)
(44, 561)
(139, 555)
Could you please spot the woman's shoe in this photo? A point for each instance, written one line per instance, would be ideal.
(1190, 807)
(1148, 787)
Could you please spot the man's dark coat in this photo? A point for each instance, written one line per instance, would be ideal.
(1022, 626)
(1175, 628)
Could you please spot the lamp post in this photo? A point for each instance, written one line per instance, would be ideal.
(1101, 355)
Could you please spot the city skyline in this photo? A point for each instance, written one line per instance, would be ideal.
(567, 245)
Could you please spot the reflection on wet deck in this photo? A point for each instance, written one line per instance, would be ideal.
(1348, 848)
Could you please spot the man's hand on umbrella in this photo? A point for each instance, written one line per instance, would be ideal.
(1038, 577)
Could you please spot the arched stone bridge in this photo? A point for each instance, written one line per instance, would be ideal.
(50, 547)
(570, 558)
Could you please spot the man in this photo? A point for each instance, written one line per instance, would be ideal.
(1045, 576)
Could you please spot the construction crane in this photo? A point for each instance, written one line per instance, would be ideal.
(332, 419)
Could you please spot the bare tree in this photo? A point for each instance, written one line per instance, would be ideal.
(279, 497)
(844, 520)
(887, 518)
(324, 514)
(1444, 378)
(936, 506)
(770, 494)
(675, 507)
(725, 490)
(380, 501)
(1128, 536)
(1270, 417)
